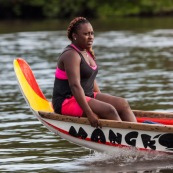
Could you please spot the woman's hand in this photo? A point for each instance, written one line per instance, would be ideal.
(94, 121)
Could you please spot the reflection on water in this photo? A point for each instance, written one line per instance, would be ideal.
(134, 65)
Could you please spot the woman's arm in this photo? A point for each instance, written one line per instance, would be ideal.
(71, 62)
(96, 87)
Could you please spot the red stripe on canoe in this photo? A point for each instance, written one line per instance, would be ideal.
(30, 77)
(164, 121)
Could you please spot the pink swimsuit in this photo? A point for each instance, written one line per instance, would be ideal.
(71, 107)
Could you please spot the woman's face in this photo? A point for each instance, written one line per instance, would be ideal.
(84, 36)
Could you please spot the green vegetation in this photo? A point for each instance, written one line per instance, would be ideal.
(64, 9)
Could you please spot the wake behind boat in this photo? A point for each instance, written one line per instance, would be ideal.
(156, 134)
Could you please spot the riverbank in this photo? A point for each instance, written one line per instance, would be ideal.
(121, 23)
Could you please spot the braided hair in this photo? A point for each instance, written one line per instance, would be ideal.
(74, 26)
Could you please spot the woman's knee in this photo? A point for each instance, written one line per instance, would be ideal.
(110, 109)
(110, 112)
(104, 110)
(125, 103)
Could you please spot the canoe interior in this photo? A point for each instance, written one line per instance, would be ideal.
(114, 124)
(165, 118)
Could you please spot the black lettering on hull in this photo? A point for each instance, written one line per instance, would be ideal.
(80, 134)
(131, 137)
(163, 141)
(115, 138)
(98, 136)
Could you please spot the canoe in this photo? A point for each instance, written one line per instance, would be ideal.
(153, 131)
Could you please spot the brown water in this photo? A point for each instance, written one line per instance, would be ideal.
(135, 61)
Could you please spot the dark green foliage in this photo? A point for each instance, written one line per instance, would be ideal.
(65, 9)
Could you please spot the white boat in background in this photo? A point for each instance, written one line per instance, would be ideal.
(156, 135)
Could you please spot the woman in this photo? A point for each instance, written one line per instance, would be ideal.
(76, 92)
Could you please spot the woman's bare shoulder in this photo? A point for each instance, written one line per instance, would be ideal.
(70, 55)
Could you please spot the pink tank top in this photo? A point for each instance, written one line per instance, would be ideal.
(60, 74)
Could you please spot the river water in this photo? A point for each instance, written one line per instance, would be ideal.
(135, 62)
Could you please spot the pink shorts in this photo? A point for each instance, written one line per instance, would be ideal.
(72, 108)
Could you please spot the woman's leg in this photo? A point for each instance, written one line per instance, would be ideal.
(120, 104)
(104, 110)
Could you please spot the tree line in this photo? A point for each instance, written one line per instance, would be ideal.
(64, 9)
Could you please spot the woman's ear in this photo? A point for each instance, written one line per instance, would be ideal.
(74, 36)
